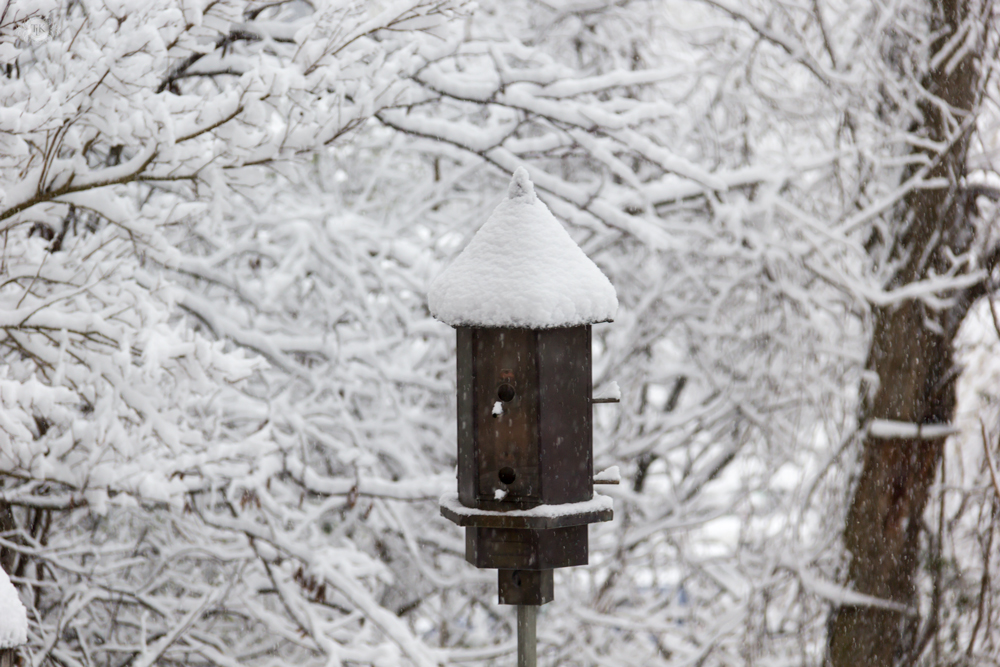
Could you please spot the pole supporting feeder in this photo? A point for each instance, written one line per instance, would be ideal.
(527, 639)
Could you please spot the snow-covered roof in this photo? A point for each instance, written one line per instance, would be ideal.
(522, 269)
(13, 618)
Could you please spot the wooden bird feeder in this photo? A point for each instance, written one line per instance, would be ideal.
(522, 297)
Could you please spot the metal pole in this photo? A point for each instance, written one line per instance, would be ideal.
(527, 642)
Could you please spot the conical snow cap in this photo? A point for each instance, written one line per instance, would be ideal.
(522, 269)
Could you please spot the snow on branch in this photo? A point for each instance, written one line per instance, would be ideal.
(427, 488)
(887, 429)
(839, 595)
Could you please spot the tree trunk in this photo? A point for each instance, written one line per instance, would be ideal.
(7, 526)
(912, 354)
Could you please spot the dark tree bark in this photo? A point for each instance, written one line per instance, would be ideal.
(7, 526)
(912, 354)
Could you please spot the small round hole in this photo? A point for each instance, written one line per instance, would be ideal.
(505, 393)
(507, 475)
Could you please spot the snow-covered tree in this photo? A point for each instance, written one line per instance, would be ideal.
(131, 132)
(227, 415)
(774, 187)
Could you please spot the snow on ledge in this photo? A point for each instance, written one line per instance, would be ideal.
(522, 269)
(13, 617)
(610, 475)
(611, 392)
(595, 504)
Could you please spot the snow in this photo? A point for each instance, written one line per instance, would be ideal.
(836, 593)
(611, 391)
(888, 429)
(500, 494)
(13, 618)
(522, 269)
(610, 475)
(498, 408)
(595, 504)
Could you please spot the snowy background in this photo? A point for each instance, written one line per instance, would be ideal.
(227, 414)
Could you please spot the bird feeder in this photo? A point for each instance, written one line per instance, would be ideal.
(522, 297)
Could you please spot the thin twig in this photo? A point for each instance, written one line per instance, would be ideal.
(989, 460)
(984, 583)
